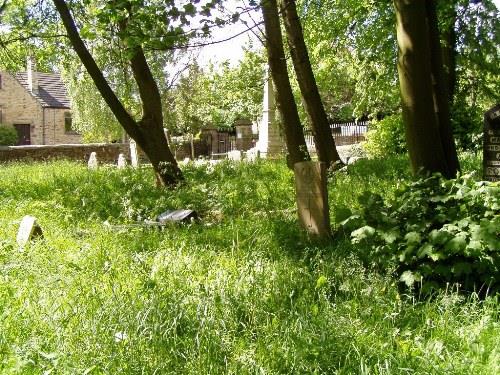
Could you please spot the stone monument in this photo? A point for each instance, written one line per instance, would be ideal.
(134, 157)
(270, 141)
(312, 198)
(491, 145)
(92, 163)
(122, 162)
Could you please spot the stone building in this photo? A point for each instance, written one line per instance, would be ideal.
(37, 106)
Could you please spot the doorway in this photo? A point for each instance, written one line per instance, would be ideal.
(23, 133)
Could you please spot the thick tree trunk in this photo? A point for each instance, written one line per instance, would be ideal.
(414, 68)
(325, 144)
(441, 95)
(294, 134)
(148, 133)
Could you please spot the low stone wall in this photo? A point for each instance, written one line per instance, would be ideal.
(106, 152)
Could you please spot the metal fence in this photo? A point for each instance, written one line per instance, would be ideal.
(344, 133)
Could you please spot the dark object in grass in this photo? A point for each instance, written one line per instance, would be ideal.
(177, 216)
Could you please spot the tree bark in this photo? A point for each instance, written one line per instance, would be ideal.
(294, 135)
(414, 69)
(148, 132)
(449, 54)
(441, 95)
(323, 138)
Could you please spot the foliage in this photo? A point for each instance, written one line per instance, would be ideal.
(218, 95)
(434, 232)
(386, 137)
(240, 292)
(8, 135)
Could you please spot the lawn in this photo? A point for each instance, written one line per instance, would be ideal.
(242, 291)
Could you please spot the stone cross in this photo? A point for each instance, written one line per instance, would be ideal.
(28, 230)
(270, 142)
(92, 163)
(122, 162)
(134, 158)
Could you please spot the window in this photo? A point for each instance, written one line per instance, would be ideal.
(68, 122)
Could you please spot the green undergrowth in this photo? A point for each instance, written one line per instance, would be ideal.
(242, 291)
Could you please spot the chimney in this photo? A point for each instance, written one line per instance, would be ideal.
(32, 75)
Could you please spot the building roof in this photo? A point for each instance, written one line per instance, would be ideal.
(51, 90)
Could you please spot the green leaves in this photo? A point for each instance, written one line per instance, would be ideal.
(436, 230)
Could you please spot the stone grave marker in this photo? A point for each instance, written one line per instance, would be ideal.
(92, 163)
(28, 230)
(134, 157)
(177, 216)
(122, 162)
(312, 197)
(234, 155)
(253, 154)
(491, 145)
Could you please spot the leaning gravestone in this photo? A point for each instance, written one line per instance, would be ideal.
(92, 163)
(491, 145)
(28, 230)
(134, 158)
(312, 197)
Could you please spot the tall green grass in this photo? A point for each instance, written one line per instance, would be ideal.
(243, 291)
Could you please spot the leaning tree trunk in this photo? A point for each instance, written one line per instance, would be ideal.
(441, 95)
(148, 132)
(294, 135)
(325, 144)
(414, 67)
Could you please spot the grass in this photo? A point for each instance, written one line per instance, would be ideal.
(241, 292)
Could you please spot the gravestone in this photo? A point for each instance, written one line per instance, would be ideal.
(134, 157)
(491, 145)
(122, 162)
(177, 216)
(28, 230)
(234, 155)
(312, 197)
(92, 163)
(253, 154)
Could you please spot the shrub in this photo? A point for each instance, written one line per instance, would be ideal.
(8, 135)
(434, 232)
(386, 137)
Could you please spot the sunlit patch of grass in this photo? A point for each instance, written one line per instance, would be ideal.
(243, 291)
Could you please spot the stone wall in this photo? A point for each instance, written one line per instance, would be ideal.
(106, 152)
(18, 106)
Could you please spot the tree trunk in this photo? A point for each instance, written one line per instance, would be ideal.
(148, 133)
(414, 67)
(441, 95)
(294, 135)
(449, 54)
(325, 144)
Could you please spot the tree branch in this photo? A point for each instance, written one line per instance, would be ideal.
(121, 114)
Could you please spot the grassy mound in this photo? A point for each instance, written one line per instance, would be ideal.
(241, 292)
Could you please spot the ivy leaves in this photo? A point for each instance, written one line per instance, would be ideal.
(434, 231)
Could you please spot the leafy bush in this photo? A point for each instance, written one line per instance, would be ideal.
(434, 232)
(386, 137)
(8, 135)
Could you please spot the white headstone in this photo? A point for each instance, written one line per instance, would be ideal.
(234, 155)
(122, 162)
(28, 229)
(253, 154)
(92, 164)
(134, 158)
